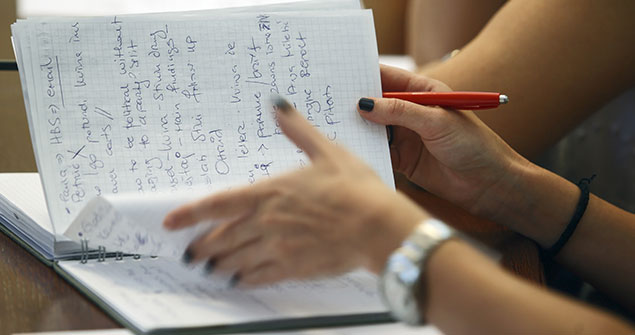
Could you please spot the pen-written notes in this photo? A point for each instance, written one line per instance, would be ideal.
(167, 103)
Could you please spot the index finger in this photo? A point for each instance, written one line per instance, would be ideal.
(300, 131)
(224, 205)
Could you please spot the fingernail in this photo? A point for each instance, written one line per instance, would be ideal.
(187, 257)
(235, 279)
(366, 104)
(280, 103)
(209, 266)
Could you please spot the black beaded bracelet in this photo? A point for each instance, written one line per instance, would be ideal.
(583, 184)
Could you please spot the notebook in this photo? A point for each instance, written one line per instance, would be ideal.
(392, 328)
(132, 115)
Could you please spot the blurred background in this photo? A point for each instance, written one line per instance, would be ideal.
(16, 153)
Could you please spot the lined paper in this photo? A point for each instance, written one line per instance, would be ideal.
(141, 104)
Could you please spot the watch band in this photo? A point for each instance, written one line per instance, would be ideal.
(404, 280)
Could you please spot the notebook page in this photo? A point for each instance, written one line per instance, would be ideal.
(84, 332)
(132, 224)
(159, 293)
(379, 329)
(142, 106)
(31, 8)
(23, 211)
(23, 192)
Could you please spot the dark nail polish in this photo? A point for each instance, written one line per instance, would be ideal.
(209, 266)
(366, 104)
(281, 104)
(235, 279)
(187, 257)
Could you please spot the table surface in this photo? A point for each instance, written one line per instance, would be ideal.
(35, 298)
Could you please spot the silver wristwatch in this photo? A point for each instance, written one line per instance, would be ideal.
(401, 280)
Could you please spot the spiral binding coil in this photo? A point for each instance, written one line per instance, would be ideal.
(101, 253)
(84, 247)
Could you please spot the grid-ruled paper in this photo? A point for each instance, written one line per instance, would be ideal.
(162, 293)
(134, 104)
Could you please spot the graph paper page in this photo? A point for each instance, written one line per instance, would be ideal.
(162, 293)
(138, 104)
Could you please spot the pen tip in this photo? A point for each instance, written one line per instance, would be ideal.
(503, 99)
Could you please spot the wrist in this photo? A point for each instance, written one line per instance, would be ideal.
(534, 202)
(404, 281)
(499, 198)
(391, 227)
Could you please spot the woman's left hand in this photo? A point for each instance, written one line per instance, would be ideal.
(330, 217)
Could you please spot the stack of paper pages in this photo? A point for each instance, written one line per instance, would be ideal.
(130, 114)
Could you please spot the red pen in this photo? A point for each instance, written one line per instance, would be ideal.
(456, 100)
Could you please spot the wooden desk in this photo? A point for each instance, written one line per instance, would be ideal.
(34, 298)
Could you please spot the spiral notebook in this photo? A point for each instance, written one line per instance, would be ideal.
(132, 115)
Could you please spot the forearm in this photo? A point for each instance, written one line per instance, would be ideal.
(469, 294)
(539, 204)
(438, 27)
(558, 61)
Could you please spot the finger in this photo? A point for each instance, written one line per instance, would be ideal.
(399, 80)
(265, 274)
(224, 239)
(405, 148)
(243, 259)
(300, 131)
(227, 204)
(427, 121)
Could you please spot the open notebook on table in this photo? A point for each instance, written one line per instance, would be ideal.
(123, 108)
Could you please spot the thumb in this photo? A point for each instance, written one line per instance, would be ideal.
(299, 130)
(427, 121)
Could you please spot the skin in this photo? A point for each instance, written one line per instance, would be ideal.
(455, 156)
(270, 229)
(493, 301)
(580, 52)
(435, 28)
(273, 227)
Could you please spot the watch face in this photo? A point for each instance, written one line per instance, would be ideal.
(403, 271)
(400, 276)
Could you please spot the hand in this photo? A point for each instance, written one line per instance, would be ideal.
(330, 217)
(450, 153)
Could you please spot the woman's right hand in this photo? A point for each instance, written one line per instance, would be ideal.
(450, 153)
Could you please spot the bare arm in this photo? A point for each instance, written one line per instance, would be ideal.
(539, 204)
(559, 61)
(338, 214)
(453, 155)
(468, 294)
(438, 27)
